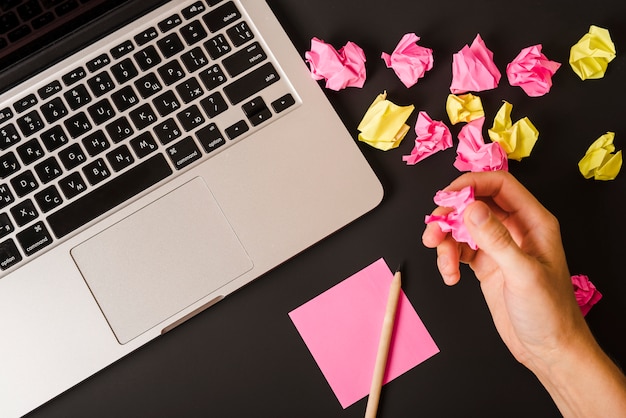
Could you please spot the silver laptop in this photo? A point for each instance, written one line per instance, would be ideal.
(149, 175)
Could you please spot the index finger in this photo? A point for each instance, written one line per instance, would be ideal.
(508, 193)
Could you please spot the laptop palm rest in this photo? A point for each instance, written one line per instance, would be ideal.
(154, 263)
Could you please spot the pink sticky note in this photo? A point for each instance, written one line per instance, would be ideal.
(453, 221)
(473, 69)
(341, 328)
(432, 136)
(474, 155)
(409, 60)
(340, 69)
(532, 71)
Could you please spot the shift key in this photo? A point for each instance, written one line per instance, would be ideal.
(251, 83)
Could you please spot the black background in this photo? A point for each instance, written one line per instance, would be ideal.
(244, 358)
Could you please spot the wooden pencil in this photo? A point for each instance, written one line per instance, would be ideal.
(383, 346)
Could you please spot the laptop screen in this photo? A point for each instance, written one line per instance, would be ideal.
(30, 27)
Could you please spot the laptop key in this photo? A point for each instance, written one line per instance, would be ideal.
(143, 145)
(171, 72)
(77, 125)
(72, 185)
(34, 238)
(24, 212)
(244, 59)
(214, 104)
(183, 153)
(193, 10)
(147, 58)
(8, 136)
(170, 23)
(8, 165)
(122, 49)
(213, 77)
(193, 32)
(146, 36)
(77, 97)
(54, 138)
(99, 62)
(24, 183)
(190, 118)
(25, 103)
(9, 254)
(72, 156)
(101, 84)
(30, 151)
(240, 34)
(49, 90)
(54, 110)
(125, 98)
(6, 197)
(124, 70)
(217, 46)
(30, 123)
(6, 226)
(74, 75)
(251, 83)
(170, 45)
(48, 199)
(210, 138)
(222, 16)
(283, 103)
(5, 114)
(48, 170)
(237, 129)
(109, 195)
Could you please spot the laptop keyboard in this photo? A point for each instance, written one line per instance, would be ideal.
(122, 119)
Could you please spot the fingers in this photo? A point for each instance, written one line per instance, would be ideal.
(493, 238)
(508, 193)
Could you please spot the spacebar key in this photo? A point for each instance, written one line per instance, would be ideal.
(111, 194)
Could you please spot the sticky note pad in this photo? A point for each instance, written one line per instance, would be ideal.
(342, 326)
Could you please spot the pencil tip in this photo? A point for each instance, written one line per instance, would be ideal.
(398, 268)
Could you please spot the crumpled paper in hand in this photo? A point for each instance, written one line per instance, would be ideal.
(453, 221)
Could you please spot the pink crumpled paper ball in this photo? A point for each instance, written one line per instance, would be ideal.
(453, 221)
(432, 136)
(340, 69)
(586, 293)
(474, 155)
(532, 71)
(473, 69)
(409, 60)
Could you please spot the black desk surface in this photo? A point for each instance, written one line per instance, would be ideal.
(244, 358)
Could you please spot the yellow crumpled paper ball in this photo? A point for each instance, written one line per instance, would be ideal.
(591, 55)
(516, 139)
(464, 108)
(600, 161)
(383, 125)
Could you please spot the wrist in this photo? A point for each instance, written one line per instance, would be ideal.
(580, 377)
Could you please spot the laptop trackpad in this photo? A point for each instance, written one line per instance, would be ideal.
(161, 259)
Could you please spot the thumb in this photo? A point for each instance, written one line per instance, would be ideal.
(491, 235)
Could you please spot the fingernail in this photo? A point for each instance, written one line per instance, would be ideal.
(479, 215)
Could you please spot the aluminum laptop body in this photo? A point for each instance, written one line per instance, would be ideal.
(197, 211)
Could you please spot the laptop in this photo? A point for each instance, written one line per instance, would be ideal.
(154, 158)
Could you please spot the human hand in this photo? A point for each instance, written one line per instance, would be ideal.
(520, 264)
